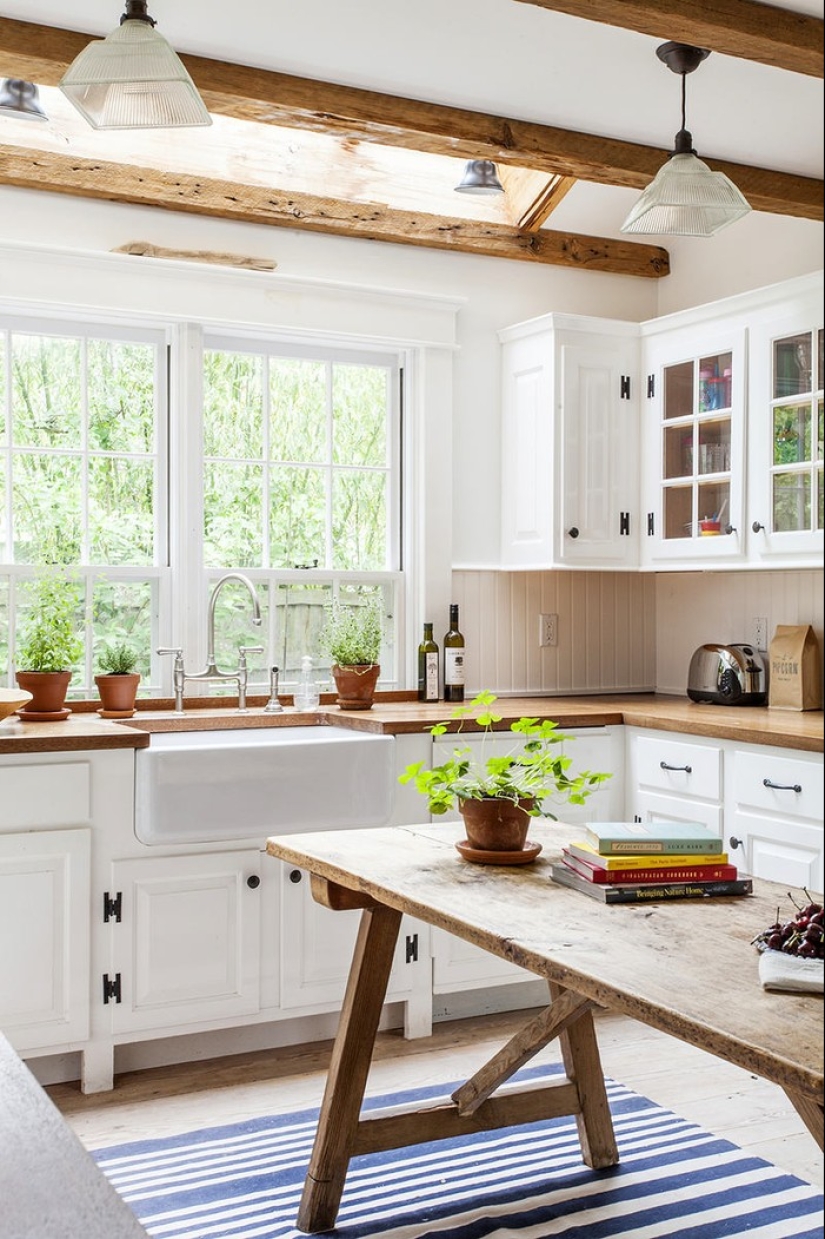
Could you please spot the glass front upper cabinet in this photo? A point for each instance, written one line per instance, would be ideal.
(796, 482)
(696, 447)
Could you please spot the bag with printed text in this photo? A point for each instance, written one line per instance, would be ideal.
(795, 679)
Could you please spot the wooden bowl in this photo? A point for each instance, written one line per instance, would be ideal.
(12, 699)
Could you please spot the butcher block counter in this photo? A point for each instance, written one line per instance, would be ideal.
(400, 713)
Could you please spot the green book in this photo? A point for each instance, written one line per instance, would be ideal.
(651, 892)
(640, 838)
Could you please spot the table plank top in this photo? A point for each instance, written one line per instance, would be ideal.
(686, 967)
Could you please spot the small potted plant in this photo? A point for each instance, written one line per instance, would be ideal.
(352, 638)
(498, 795)
(49, 646)
(117, 681)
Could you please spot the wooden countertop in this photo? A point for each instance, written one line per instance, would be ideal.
(394, 716)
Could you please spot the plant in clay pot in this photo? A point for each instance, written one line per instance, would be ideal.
(117, 681)
(50, 645)
(352, 637)
(497, 795)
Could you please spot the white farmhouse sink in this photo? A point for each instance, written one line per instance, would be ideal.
(205, 786)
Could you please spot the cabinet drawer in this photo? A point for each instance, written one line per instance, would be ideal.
(44, 795)
(753, 770)
(673, 766)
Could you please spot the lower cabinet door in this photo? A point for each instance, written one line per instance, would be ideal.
(458, 965)
(186, 949)
(657, 807)
(317, 947)
(781, 851)
(44, 932)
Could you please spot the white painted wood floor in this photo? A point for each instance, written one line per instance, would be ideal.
(719, 1097)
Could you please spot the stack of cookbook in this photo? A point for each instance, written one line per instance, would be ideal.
(639, 862)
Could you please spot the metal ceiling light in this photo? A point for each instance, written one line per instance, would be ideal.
(480, 177)
(20, 100)
(686, 198)
(133, 79)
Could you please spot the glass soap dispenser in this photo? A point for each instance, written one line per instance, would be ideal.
(307, 695)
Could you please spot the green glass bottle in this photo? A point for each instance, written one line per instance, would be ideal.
(454, 659)
(428, 666)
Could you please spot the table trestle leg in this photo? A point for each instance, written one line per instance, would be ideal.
(580, 1054)
(811, 1112)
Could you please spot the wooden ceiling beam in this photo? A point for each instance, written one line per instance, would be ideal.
(41, 54)
(531, 197)
(741, 28)
(63, 174)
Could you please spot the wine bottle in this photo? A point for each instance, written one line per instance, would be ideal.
(453, 659)
(428, 666)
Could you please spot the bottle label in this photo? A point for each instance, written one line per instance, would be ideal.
(431, 677)
(453, 666)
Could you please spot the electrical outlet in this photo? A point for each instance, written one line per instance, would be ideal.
(759, 633)
(548, 630)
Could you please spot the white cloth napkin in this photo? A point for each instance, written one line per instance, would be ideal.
(788, 972)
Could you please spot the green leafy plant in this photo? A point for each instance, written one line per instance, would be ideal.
(117, 659)
(50, 640)
(352, 633)
(535, 769)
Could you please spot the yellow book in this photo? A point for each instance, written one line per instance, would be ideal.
(658, 860)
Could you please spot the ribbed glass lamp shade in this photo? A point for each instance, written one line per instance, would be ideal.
(480, 177)
(133, 79)
(686, 198)
(20, 100)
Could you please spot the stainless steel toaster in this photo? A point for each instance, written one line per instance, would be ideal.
(728, 675)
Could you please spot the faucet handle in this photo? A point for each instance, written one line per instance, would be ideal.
(248, 649)
(177, 650)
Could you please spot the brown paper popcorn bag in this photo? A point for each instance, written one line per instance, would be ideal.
(795, 678)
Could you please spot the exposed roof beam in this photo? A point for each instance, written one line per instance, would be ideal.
(741, 28)
(253, 204)
(531, 197)
(42, 53)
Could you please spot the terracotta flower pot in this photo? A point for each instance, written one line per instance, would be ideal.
(48, 690)
(356, 685)
(496, 825)
(117, 694)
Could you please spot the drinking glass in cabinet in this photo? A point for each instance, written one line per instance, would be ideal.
(714, 446)
(715, 375)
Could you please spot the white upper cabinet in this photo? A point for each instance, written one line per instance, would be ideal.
(569, 443)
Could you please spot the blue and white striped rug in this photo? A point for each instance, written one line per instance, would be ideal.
(244, 1182)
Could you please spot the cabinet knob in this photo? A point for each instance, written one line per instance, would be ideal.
(734, 842)
(573, 533)
(756, 526)
(295, 875)
(253, 881)
(729, 529)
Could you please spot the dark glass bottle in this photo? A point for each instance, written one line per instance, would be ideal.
(428, 666)
(453, 659)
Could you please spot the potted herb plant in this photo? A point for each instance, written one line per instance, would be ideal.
(117, 681)
(50, 645)
(351, 637)
(498, 795)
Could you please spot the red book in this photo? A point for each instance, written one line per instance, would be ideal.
(634, 877)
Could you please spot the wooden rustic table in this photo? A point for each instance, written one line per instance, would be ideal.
(686, 967)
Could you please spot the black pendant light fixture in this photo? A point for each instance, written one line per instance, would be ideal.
(480, 177)
(20, 100)
(686, 198)
(133, 79)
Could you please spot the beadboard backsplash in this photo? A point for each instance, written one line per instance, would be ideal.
(617, 631)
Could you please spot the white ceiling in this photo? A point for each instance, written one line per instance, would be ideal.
(503, 57)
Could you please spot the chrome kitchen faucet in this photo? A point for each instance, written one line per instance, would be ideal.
(211, 672)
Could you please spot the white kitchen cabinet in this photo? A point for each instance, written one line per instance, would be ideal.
(185, 939)
(774, 815)
(674, 778)
(457, 965)
(569, 443)
(786, 450)
(44, 928)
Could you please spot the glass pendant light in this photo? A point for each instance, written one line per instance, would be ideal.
(686, 198)
(20, 100)
(133, 79)
(480, 177)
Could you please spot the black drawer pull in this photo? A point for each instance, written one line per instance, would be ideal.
(734, 842)
(295, 875)
(665, 766)
(783, 787)
(253, 881)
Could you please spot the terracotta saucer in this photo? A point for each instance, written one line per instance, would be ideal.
(44, 716)
(481, 857)
(116, 713)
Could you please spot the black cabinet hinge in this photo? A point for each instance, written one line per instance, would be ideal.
(624, 524)
(624, 387)
(111, 989)
(651, 386)
(112, 906)
(411, 956)
(651, 525)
